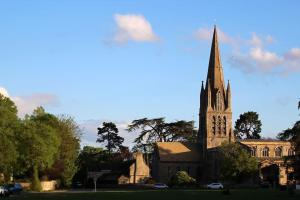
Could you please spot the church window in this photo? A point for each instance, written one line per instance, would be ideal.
(265, 152)
(290, 152)
(253, 151)
(278, 152)
(219, 125)
(224, 126)
(214, 125)
(219, 101)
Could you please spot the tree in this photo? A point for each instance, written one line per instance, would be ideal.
(89, 159)
(181, 178)
(236, 163)
(248, 126)
(9, 124)
(109, 133)
(65, 166)
(40, 144)
(293, 135)
(157, 130)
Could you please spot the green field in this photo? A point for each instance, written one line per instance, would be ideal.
(258, 194)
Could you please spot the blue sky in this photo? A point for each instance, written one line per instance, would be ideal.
(123, 60)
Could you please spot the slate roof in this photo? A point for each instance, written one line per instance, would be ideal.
(179, 151)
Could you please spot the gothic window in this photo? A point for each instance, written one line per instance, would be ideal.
(278, 152)
(291, 152)
(224, 126)
(219, 101)
(219, 125)
(253, 151)
(214, 125)
(265, 152)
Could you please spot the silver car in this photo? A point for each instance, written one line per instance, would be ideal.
(215, 186)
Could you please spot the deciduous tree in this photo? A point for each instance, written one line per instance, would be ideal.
(9, 124)
(236, 163)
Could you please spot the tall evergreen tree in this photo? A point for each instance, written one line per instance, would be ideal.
(248, 126)
(108, 134)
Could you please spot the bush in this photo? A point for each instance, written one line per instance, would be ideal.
(181, 178)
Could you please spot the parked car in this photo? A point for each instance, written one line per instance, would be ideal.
(14, 188)
(2, 191)
(160, 186)
(215, 186)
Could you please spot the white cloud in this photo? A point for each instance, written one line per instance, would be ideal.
(89, 128)
(133, 27)
(26, 104)
(4, 92)
(252, 56)
(293, 54)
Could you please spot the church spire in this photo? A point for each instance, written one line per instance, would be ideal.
(228, 96)
(215, 71)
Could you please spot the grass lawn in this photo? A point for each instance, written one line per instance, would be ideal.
(258, 194)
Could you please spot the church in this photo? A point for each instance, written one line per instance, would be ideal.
(200, 160)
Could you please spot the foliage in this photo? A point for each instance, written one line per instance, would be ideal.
(293, 135)
(65, 166)
(157, 130)
(108, 134)
(236, 164)
(181, 178)
(40, 144)
(9, 124)
(89, 159)
(36, 183)
(248, 126)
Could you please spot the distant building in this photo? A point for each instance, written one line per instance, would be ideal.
(201, 159)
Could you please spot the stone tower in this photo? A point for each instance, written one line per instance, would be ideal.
(215, 117)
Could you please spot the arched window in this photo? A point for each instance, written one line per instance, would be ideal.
(219, 103)
(219, 125)
(224, 125)
(253, 151)
(291, 152)
(265, 152)
(213, 127)
(278, 152)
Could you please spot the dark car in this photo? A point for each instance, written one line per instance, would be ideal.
(14, 188)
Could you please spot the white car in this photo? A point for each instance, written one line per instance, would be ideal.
(2, 191)
(160, 186)
(215, 186)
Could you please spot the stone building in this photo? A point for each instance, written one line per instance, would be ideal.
(200, 159)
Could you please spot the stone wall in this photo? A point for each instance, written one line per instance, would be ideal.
(46, 185)
(139, 170)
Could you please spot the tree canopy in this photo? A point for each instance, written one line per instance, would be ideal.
(293, 135)
(9, 125)
(108, 134)
(237, 163)
(157, 130)
(248, 126)
(41, 144)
